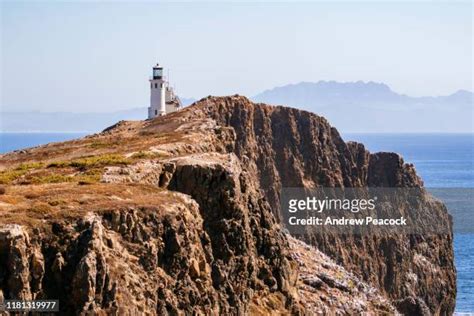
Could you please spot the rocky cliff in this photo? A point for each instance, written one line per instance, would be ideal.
(180, 215)
(286, 147)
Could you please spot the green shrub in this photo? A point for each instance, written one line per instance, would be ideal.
(50, 178)
(92, 162)
(8, 176)
(147, 155)
(97, 144)
(29, 166)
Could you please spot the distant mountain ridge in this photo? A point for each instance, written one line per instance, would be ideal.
(352, 106)
(374, 107)
(332, 91)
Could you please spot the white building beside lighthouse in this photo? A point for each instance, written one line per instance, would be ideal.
(162, 97)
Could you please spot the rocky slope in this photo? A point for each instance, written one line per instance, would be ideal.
(180, 215)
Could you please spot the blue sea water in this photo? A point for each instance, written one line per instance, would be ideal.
(446, 164)
(444, 161)
(14, 141)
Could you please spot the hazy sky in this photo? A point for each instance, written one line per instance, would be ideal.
(97, 56)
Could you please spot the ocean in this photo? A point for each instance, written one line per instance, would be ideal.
(444, 161)
(14, 141)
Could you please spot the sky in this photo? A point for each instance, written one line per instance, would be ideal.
(97, 56)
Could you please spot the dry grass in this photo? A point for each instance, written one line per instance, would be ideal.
(11, 199)
(37, 205)
(8, 176)
(122, 139)
(50, 178)
(61, 181)
(108, 147)
(83, 172)
(40, 209)
(87, 177)
(83, 155)
(92, 162)
(104, 143)
(148, 155)
(30, 166)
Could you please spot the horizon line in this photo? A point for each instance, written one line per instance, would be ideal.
(251, 97)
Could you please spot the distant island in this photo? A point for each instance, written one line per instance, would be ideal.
(373, 107)
(352, 106)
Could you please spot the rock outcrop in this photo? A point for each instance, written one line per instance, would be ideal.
(286, 147)
(180, 215)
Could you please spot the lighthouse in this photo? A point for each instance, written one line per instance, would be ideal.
(163, 100)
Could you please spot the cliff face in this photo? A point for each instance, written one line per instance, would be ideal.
(181, 215)
(143, 250)
(286, 147)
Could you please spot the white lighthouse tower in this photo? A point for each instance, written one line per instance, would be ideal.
(162, 97)
(157, 93)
